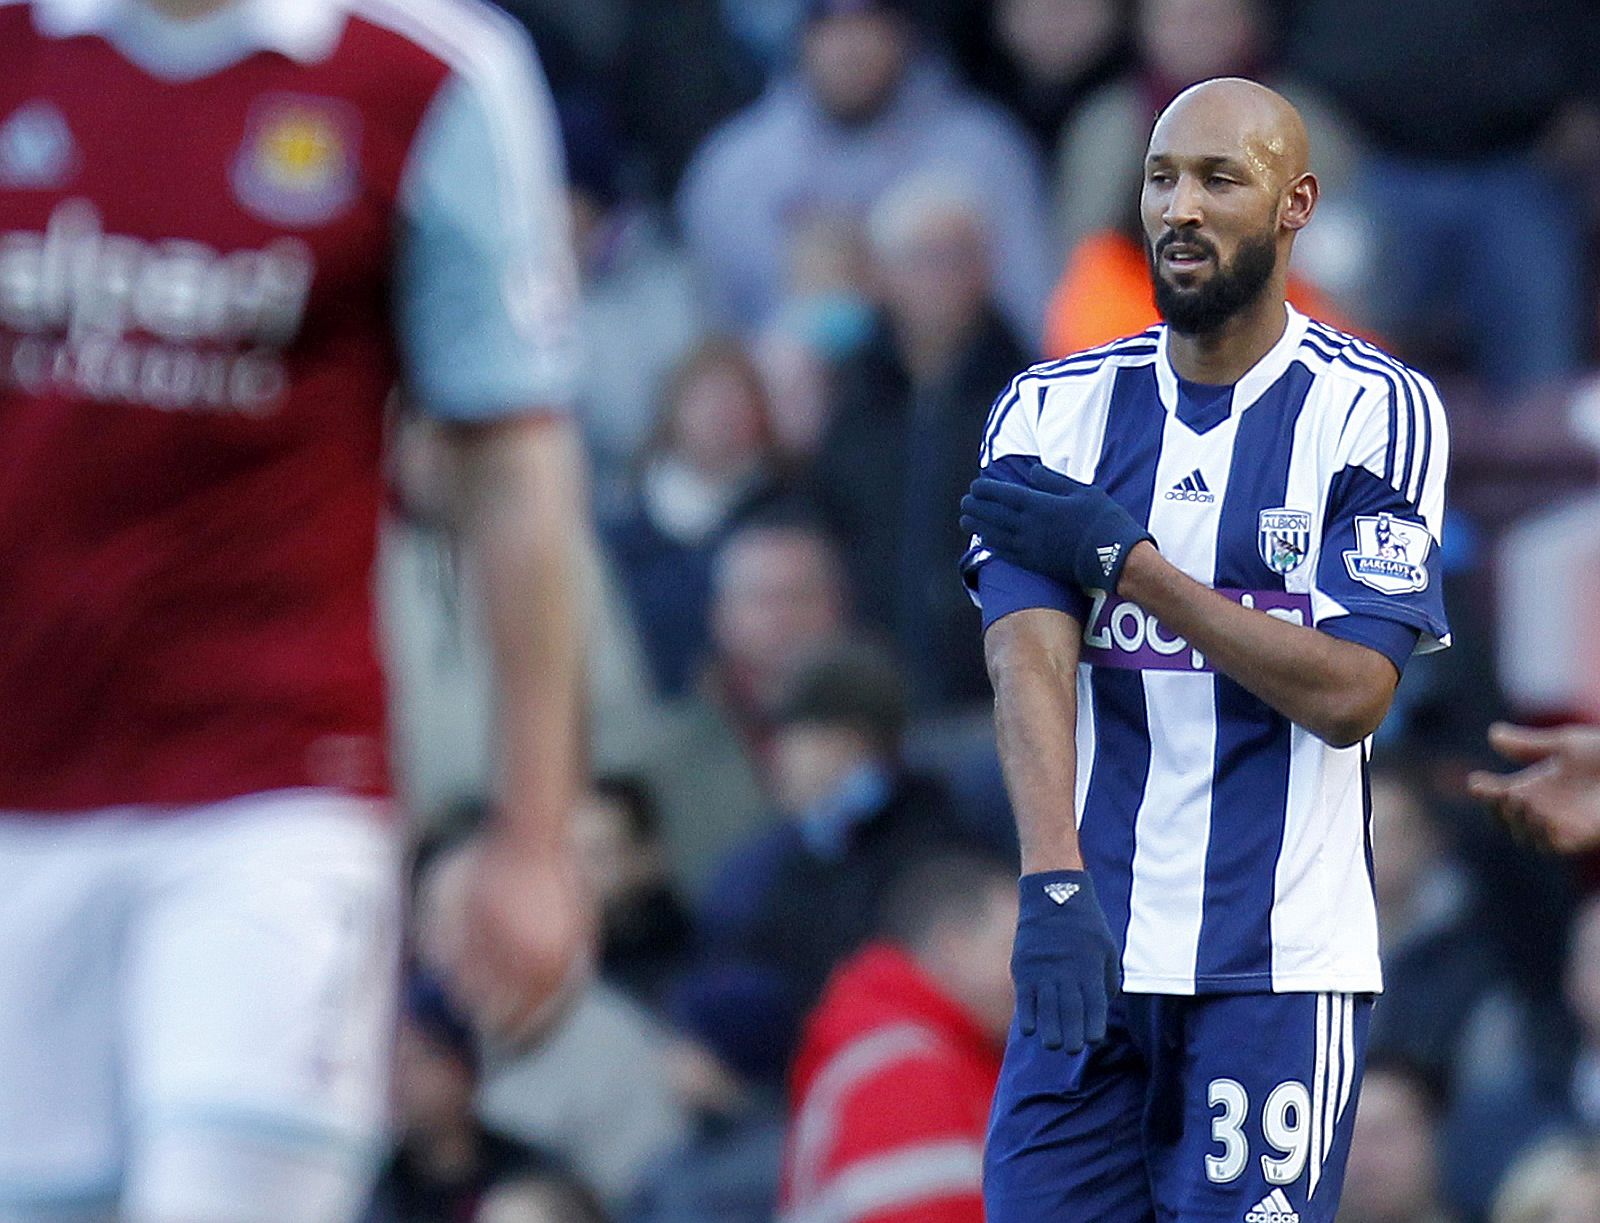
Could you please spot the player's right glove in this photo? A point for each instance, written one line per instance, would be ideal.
(1055, 526)
(1064, 961)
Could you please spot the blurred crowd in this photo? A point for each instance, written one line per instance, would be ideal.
(816, 238)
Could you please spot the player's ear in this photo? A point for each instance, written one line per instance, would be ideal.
(1299, 201)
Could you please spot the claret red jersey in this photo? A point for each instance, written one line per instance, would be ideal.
(222, 245)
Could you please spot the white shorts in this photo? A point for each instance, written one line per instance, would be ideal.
(220, 969)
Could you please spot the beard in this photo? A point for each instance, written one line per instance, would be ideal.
(1209, 305)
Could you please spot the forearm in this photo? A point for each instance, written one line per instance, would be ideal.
(1036, 731)
(523, 524)
(1337, 690)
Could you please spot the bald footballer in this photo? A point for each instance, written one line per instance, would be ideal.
(1204, 555)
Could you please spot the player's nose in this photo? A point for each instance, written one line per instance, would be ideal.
(1183, 203)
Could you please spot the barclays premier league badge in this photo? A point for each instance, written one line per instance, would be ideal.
(299, 162)
(1283, 538)
(1389, 554)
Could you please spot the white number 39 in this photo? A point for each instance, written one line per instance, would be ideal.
(1284, 1124)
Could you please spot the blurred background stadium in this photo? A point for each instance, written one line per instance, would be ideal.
(815, 240)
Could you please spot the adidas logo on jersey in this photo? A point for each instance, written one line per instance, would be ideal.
(1108, 557)
(1274, 1208)
(1061, 892)
(1191, 488)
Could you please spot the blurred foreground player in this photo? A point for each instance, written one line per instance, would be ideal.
(1184, 726)
(227, 229)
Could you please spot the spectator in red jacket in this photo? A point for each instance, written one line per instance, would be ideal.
(892, 1085)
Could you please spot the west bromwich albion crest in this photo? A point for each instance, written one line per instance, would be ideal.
(1283, 538)
(1390, 554)
(298, 164)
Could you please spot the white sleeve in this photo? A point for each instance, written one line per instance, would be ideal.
(1010, 430)
(485, 278)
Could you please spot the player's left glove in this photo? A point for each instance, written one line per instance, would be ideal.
(1064, 962)
(1055, 526)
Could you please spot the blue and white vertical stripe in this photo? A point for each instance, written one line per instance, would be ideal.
(1229, 845)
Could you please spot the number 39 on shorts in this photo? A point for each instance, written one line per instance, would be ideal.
(1285, 1124)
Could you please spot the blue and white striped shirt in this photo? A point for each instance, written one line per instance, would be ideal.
(1229, 846)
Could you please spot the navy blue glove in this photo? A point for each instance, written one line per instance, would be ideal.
(1056, 526)
(1064, 962)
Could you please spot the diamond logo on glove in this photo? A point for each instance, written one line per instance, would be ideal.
(1061, 892)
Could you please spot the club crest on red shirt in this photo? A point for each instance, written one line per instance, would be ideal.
(298, 165)
(36, 148)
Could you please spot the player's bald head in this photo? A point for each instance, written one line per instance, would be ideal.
(1225, 191)
(1234, 117)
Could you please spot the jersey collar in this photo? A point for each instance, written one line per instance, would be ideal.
(304, 30)
(1257, 378)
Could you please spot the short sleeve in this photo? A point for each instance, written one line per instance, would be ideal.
(1395, 641)
(1383, 523)
(1010, 448)
(485, 281)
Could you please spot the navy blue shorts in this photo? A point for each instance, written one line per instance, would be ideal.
(1236, 1108)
